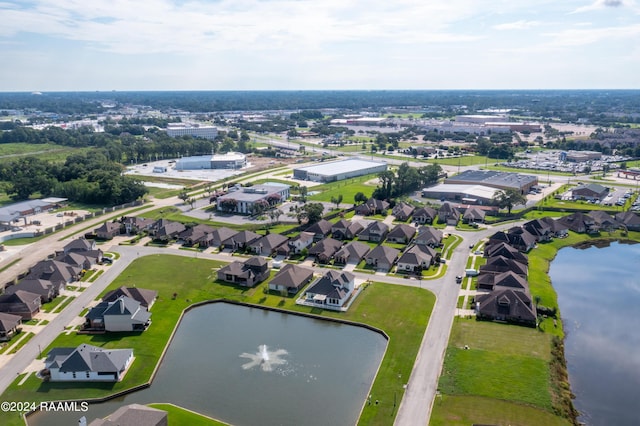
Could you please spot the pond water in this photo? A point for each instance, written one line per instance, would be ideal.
(249, 366)
(599, 298)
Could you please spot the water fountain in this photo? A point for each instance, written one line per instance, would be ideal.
(264, 358)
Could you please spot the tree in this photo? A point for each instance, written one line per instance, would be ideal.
(360, 198)
(274, 214)
(184, 196)
(312, 212)
(337, 200)
(303, 193)
(507, 198)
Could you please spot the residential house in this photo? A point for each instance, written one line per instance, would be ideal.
(78, 260)
(448, 214)
(401, 233)
(241, 241)
(145, 297)
(517, 237)
(200, 235)
(541, 230)
(506, 305)
(9, 326)
(345, 229)
(135, 225)
(376, 231)
(325, 249)
(22, 303)
(495, 281)
(372, 206)
(473, 215)
(301, 242)
(630, 220)
(44, 288)
(59, 273)
(291, 278)
(247, 273)
(425, 215)
(416, 258)
(352, 252)
(403, 211)
(557, 228)
(505, 250)
(218, 236)
(79, 245)
(134, 415)
(122, 314)
(429, 236)
(86, 248)
(107, 230)
(580, 222)
(320, 229)
(604, 221)
(268, 244)
(499, 264)
(382, 257)
(166, 230)
(589, 192)
(332, 290)
(88, 363)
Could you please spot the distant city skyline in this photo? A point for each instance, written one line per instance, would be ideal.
(75, 45)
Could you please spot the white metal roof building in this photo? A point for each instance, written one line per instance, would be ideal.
(231, 160)
(205, 132)
(339, 170)
(470, 194)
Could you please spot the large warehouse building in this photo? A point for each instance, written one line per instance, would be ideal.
(493, 179)
(339, 170)
(467, 194)
(231, 160)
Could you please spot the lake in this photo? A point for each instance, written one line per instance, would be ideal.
(250, 366)
(599, 299)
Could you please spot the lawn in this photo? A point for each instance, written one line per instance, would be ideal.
(182, 416)
(504, 363)
(347, 188)
(404, 318)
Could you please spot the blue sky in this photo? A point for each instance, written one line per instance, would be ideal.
(48, 45)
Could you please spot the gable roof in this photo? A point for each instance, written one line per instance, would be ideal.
(143, 296)
(322, 227)
(402, 231)
(417, 254)
(88, 358)
(222, 234)
(512, 280)
(384, 253)
(133, 415)
(292, 276)
(108, 227)
(429, 235)
(242, 237)
(508, 303)
(403, 210)
(31, 285)
(326, 247)
(474, 213)
(429, 212)
(333, 284)
(352, 251)
(506, 250)
(80, 244)
(9, 321)
(270, 242)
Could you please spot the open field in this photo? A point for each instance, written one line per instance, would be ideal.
(506, 364)
(404, 318)
(347, 188)
(182, 416)
(47, 152)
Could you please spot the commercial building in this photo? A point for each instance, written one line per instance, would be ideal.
(179, 129)
(468, 194)
(339, 170)
(16, 211)
(243, 199)
(231, 160)
(580, 156)
(493, 179)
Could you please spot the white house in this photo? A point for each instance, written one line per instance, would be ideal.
(122, 314)
(333, 289)
(88, 363)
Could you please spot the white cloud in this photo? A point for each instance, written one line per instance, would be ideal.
(603, 4)
(518, 25)
(581, 36)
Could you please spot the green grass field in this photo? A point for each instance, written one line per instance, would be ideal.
(404, 318)
(505, 364)
(181, 416)
(347, 188)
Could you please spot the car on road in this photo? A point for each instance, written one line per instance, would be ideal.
(458, 279)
